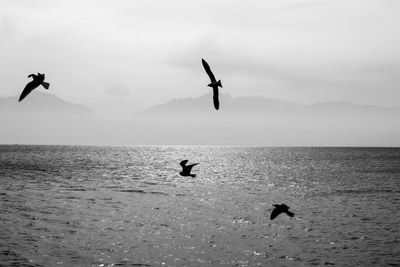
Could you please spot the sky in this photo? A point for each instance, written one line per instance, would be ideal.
(143, 53)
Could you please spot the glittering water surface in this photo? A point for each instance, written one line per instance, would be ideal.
(128, 206)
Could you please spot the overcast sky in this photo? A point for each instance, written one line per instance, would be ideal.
(148, 52)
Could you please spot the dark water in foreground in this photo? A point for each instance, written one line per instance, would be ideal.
(127, 206)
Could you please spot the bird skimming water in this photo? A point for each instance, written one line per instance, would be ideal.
(186, 169)
(214, 84)
(280, 209)
(37, 80)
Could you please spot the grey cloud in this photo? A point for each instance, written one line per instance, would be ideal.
(118, 91)
(153, 46)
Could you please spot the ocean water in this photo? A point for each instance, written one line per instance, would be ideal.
(128, 206)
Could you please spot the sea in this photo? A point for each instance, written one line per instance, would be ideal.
(128, 206)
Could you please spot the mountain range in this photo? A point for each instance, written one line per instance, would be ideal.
(42, 105)
(46, 119)
(250, 104)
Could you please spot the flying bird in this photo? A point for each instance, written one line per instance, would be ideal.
(37, 80)
(280, 209)
(186, 169)
(214, 84)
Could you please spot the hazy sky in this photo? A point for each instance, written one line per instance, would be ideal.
(148, 52)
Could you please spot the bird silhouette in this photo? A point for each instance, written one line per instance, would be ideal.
(280, 209)
(214, 84)
(37, 80)
(186, 169)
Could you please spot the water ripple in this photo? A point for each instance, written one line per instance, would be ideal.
(128, 206)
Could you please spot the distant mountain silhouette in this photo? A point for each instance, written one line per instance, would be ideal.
(46, 119)
(264, 121)
(42, 104)
(231, 105)
(260, 106)
(43, 118)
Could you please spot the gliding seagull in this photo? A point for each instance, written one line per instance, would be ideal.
(280, 209)
(186, 169)
(37, 80)
(214, 84)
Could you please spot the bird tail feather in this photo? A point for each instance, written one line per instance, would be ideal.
(219, 83)
(45, 85)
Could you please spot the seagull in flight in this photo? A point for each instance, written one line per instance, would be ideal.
(186, 169)
(37, 80)
(214, 84)
(280, 209)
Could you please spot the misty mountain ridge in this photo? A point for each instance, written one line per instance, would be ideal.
(42, 104)
(44, 118)
(204, 104)
(263, 121)
(258, 106)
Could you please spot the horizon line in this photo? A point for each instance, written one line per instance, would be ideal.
(199, 145)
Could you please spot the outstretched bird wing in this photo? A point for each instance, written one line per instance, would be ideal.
(275, 213)
(215, 97)
(183, 163)
(28, 88)
(189, 167)
(291, 214)
(208, 70)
